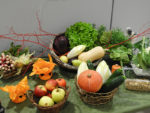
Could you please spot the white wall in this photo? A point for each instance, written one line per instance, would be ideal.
(57, 15)
(133, 13)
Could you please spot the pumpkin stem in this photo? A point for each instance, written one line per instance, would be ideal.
(89, 75)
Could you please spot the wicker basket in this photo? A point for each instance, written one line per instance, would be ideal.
(65, 65)
(95, 98)
(13, 73)
(54, 109)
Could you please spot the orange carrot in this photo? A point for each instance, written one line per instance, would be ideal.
(115, 67)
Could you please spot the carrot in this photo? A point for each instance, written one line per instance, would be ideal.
(115, 67)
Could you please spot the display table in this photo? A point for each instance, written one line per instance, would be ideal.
(123, 101)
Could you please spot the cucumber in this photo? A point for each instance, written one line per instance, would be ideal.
(113, 83)
(116, 73)
(90, 65)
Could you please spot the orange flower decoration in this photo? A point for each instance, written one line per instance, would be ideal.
(17, 93)
(43, 68)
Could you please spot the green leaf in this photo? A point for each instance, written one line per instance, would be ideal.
(105, 38)
(120, 54)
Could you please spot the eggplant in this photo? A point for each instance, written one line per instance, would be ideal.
(61, 44)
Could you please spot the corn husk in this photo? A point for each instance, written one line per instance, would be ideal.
(137, 84)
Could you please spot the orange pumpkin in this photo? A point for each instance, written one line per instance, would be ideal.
(90, 81)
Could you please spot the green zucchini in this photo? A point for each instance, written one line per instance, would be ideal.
(116, 73)
(90, 65)
(113, 83)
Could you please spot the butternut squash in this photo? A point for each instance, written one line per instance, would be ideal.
(92, 55)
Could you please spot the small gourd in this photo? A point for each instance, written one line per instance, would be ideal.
(90, 81)
(92, 55)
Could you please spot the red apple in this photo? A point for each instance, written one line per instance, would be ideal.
(49, 95)
(40, 90)
(61, 82)
(51, 84)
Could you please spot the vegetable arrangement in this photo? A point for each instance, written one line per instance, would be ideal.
(78, 55)
(99, 80)
(82, 42)
(119, 53)
(14, 59)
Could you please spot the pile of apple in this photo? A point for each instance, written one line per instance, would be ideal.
(51, 93)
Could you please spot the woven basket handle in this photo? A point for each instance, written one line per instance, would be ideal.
(68, 89)
(30, 96)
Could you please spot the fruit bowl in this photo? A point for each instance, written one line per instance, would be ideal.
(62, 64)
(95, 98)
(53, 109)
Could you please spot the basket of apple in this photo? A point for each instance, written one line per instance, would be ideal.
(51, 97)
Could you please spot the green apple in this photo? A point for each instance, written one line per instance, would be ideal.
(64, 59)
(46, 101)
(58, 95)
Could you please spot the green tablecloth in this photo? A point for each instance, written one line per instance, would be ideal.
(123, 101)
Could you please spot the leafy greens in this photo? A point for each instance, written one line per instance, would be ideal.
(82, 33)
(108, 38)
(121, 53)
(16, 50)
(142, 59)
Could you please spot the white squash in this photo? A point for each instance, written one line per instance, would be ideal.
(76, 51)
(82, 67)
(103, 70)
